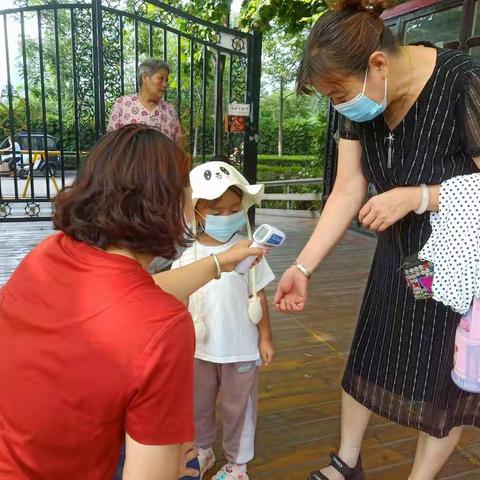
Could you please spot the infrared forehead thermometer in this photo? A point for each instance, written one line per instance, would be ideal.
(264, 236)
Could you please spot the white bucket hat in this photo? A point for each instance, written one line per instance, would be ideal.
(212, 179)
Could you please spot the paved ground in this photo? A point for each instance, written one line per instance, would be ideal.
(299, 406)
(16, 240)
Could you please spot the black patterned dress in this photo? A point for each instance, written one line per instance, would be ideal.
(402, 353)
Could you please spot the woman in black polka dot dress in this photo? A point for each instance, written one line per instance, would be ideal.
(414, 119)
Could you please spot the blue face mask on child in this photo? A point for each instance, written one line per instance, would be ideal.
(362, 108)
(223, 227)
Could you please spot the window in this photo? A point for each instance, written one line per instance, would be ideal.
(37, 142)
(50, 143)
(475, 51)
(438, 28)
(476, 24)
(23, 141)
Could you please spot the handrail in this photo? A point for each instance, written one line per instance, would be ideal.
(289, 197)
(300, 181)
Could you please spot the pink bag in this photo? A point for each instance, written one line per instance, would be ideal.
(466, 359)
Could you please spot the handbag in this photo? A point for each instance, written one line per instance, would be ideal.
(418, 273)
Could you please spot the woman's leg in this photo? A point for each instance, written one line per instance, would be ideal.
(432, 454)
(355, 418)
(419, 453)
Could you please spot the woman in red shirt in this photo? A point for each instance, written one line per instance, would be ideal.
(97, 354)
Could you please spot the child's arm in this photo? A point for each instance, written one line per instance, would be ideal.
(267, 350)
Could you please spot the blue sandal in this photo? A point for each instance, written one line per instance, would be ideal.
(338, 464)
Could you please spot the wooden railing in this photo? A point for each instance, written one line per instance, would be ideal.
(287, 196)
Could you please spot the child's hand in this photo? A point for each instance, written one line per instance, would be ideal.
(267, 351)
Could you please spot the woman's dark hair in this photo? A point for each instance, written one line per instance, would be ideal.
(342, 41)
(130, 194)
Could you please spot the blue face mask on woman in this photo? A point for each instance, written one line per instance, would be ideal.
(362, 108)
(223, 227)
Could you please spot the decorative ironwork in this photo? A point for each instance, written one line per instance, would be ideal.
(112, 58)
(239, 79)
(238, 43)
(84, 77)
(238, 89)
(32, 209)
(215, 37)
(167, 18)
(90, 53)
(5, 209)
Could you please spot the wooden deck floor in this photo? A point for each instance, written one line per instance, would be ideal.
(299, 408)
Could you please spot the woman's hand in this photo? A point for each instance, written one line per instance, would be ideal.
(187, 454)
(291, 293)
(236, 254)
(267, 350)
(385, 209)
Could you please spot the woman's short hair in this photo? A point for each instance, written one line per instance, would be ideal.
(130, 194)
(150, 67)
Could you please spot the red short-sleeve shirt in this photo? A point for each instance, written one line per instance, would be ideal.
(90, 348)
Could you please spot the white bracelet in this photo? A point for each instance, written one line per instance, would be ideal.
(425, 199)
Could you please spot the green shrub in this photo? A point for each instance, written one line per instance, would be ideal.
(301, 136)
(273, 172)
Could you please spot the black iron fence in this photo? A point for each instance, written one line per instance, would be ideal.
(65, 64)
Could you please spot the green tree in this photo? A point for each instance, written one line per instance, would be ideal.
(293, 15)
(281, 54)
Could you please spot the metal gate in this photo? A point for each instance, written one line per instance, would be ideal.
(65, 63)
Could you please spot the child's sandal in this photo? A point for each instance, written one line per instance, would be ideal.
(338, 464)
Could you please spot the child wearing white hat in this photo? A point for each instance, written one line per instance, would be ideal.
(231, 319)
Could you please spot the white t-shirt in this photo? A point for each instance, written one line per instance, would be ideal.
(231, 336)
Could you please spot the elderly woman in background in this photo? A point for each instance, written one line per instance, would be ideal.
(148, 106)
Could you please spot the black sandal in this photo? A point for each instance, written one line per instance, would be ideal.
(338, 464)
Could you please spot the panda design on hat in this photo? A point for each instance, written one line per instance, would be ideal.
(223, 171)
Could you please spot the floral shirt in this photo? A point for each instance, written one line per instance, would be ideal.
(129, 109)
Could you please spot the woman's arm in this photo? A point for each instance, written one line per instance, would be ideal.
(159, 462)
(383, 210)
(183, 282)
(342, 205)
(340, 209)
